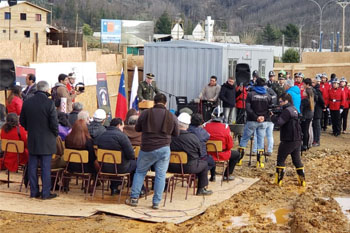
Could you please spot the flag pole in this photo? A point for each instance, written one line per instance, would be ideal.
(126, 79)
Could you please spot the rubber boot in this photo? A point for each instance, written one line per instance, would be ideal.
(259, 159)
(301, 176)
(279, 175)
(241, 152)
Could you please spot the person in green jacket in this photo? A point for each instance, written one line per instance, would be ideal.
(147, 89)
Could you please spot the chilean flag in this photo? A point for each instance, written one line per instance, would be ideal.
(122, 106)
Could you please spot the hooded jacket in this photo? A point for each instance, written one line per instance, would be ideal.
(258, 103)
(295, 93)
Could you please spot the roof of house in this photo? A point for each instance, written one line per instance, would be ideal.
(5, 4)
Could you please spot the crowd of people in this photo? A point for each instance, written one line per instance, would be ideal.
(299, 107)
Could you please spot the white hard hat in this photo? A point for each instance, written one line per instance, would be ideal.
(184, 118)
(99, 115)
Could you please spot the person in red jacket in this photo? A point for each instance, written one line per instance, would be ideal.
(324, 88)
(14, 102)
(298, 81)
(241, 96)
(13, 131)
(344, 114)
(336, 102)
(221, 132)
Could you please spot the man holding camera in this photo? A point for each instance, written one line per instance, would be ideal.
(70, 86)
(257, 106)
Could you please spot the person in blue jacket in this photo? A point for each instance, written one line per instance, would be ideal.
(294, 91)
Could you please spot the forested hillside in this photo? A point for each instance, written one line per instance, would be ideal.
(247, 18)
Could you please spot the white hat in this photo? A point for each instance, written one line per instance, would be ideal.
(99, 115)
(184, 118)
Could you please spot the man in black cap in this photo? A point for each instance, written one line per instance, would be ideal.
(147, 89)
(273, 84)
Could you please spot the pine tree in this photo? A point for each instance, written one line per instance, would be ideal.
(163, 24)
(291, 33)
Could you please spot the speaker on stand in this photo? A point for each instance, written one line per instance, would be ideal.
(7, 75)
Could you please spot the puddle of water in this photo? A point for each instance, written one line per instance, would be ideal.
(282, 216)
(239, 221)
(279, 216)
(344, 203)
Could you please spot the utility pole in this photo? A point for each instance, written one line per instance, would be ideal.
(282, 44)
(321, 8)
(300, 43)
(343, 4)
(76, 31)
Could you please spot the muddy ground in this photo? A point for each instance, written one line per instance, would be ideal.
(264, 207)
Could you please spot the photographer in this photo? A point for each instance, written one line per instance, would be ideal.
(290, 136)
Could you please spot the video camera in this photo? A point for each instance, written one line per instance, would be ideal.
(80, 87)
(275, 109)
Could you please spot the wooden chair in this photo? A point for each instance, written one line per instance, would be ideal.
(169, 178)
(76, 156)
(180, 157)
(216, 147)
(13, 146)
(55, 173)
(115, 158)
(137, 151)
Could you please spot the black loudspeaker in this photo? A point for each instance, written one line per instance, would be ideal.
(242, 74)
(192, 106)
(7, 74)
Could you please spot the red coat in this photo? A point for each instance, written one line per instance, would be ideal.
(324, 88)
(239, 99)
(220, 131)
(11, 158)
(15, 106)
(301, 88)
(336, 99)
(345, 91)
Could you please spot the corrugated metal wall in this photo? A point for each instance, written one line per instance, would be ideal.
(182, 70)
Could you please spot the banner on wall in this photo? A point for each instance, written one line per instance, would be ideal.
(102, 94)
(21, 74)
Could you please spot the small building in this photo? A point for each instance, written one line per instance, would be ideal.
(24, 22)
(183, 68)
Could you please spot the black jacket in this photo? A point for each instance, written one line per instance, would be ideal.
(257, 104)
(288, 121)
(114, 139)
(319, 104)
(189, 143)
(228, 95)
(203, 137)
(29, 92)
(39, 118)
(72, 117)
(305, 109)
(95, 130)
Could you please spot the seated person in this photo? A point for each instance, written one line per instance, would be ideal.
(221, 132)
(64, 127)
(13, 131)
(73, 115)
(114, 139)
(203, 136)
(190, 144)
(80, 139)
(129, 130)
(96, 127)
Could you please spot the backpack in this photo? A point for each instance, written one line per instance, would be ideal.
(55, 97)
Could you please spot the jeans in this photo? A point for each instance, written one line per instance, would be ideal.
(45, 164)
(160, 159)
(229, 115)
(249, 128)
(269, 136)
(316, 126)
